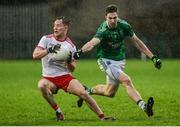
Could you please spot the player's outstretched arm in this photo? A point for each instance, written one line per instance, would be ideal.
(142, 47)
(90, 45)
(87, 47)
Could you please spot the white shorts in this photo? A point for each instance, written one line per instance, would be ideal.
(112, 68)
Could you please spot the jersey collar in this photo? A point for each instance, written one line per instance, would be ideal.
(109, 27)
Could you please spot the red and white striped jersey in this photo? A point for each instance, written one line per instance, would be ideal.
(50, 66)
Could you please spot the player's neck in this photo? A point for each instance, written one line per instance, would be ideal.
(60, 37)
(111, 27)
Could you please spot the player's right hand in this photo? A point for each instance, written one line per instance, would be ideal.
(77, 54)
(54, 48)
(69, 60)
(157, 62)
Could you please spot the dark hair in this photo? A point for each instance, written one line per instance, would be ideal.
(65, 20)
(111, 8)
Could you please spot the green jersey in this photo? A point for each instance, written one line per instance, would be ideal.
(112, 40)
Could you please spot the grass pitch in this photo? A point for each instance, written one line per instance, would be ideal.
(22, 104)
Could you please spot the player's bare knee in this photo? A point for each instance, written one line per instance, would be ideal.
(83, 94)
(127, 82)
(112, 95)
(109, 94)
(42, 85)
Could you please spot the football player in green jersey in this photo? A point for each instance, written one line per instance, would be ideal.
(111, 58)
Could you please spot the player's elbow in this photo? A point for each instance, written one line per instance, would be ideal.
(71, 67)
(34, 56)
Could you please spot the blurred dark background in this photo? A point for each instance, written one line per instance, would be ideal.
(24, 22)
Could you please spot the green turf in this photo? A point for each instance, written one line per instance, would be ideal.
(22, 104)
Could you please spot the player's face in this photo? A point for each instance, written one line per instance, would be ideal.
(59, 28)
(111, 19)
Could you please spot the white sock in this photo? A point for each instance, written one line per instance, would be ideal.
(89, 90)
(142, 105)
(58, 110)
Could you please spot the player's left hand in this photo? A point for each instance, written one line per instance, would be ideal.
(77, 54)
(69, 60)
(157, 62)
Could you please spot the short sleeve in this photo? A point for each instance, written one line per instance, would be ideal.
(100, 31)
(73, 49)
(43, 42)
(128, 29)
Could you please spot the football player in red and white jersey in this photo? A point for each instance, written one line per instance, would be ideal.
(57, 74)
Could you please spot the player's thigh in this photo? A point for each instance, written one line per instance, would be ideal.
(113, 84)
(123, 77)
(48, 85)
(75, 87)
(113, 69)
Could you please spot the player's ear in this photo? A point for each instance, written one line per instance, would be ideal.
(105, 16)
(66, 27)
